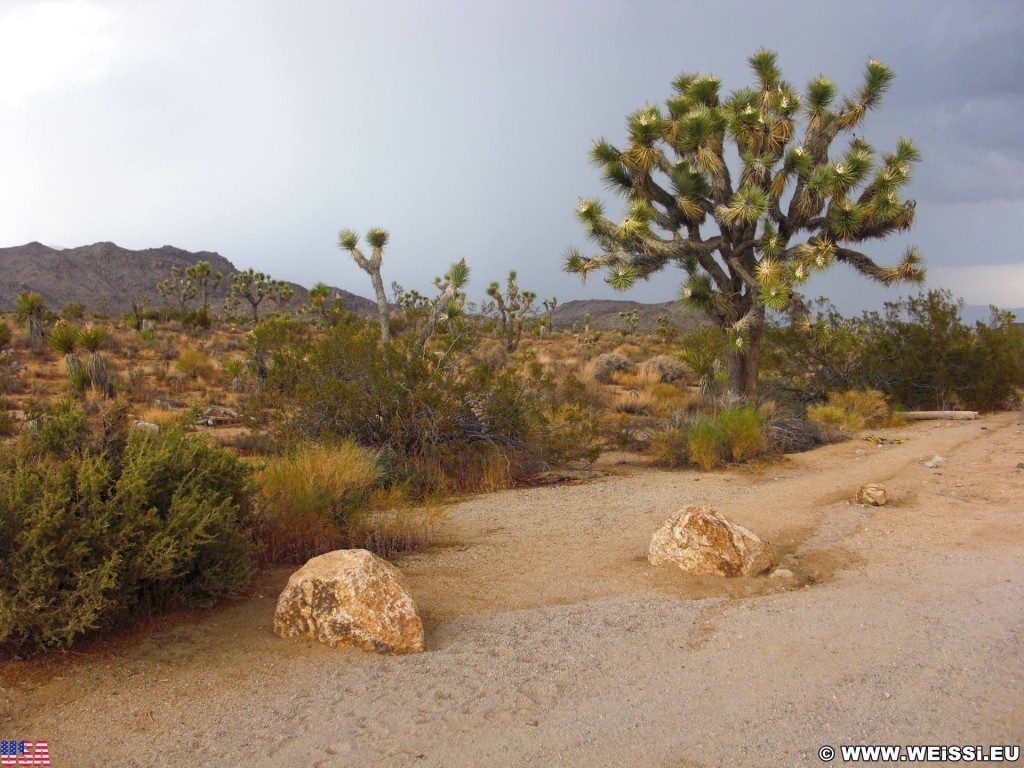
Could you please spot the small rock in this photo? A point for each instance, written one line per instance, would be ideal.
(872, 494)
(936, 461)
(699, 540)
(1020, 465)
(861, 452)
(782, 573)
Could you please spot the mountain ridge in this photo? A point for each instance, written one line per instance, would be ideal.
(108, 278)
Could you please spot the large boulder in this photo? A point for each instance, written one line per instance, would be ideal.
(701, 541)
(350, 596)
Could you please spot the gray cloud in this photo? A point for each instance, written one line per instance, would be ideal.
(260, 129)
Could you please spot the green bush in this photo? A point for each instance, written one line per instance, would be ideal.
(440, 421)
(5, 334)
(100, 525)
(732, 434)
(918, 352)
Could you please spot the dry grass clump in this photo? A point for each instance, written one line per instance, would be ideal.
(195, 364)
(851, 411)
(165, 417)
(636, 402)
(313, 497)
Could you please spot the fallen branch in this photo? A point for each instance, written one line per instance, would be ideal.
(925, 415)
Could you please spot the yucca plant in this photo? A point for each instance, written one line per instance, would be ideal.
(793, 206)
(66, 339)
(30, 309)
(91, 338)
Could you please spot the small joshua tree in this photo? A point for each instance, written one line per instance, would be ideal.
(254, 287)
(513, 307)
(377, 238)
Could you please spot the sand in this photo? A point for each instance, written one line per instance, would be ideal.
(554, 643)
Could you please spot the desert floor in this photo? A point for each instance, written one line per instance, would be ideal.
(554, 643)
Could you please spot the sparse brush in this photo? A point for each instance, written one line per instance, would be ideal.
(668, 369)
(788, 432)
(194, 364)
(603, 367)
(670, 447)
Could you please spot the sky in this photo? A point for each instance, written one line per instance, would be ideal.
(259, 129)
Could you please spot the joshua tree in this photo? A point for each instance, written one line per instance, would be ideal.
(254, 287)
(793, 208)
(201, 272)
(513, 308)
(449, 302)
(377, 238)
(179, 288)
(280, 293)
(31, 310)
(549, 311)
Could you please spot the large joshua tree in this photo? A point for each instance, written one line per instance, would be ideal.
(796, 206)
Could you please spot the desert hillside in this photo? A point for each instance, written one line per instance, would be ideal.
(107, 278)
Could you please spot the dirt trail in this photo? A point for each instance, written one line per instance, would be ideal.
(553, 642)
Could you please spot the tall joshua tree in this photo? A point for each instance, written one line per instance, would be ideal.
(377, 238)
(796, 206)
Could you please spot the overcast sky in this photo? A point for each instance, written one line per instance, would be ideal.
(259, 129)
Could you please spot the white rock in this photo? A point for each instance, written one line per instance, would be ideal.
(699, 540)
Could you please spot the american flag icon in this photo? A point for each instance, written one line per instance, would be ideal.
(24, 753)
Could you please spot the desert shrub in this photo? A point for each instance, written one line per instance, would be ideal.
(786, 431)
(851, 411)
(603, 367)
(997, 361)
(100, 525)
(194, 363)
(669, 447)
(439, 421)
(918, 352)
(73, 311)
(313, 498)
(731, 434)
(668, 368)
(5, 334)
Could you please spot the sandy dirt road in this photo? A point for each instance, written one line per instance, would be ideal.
(554, 643)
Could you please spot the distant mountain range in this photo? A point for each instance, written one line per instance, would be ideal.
(107, 278)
